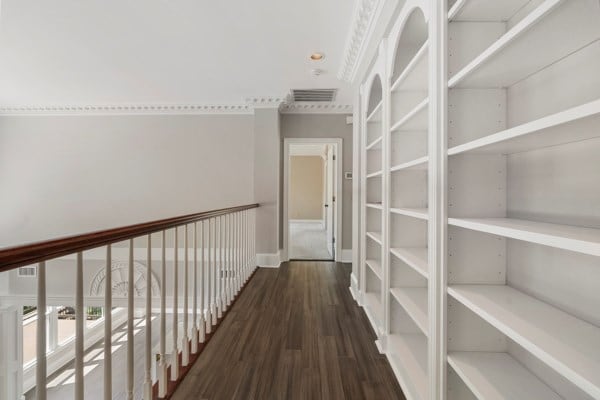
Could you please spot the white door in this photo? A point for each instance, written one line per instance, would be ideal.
(329, 200)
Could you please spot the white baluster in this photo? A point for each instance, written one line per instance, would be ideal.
(79, 323)
(195, 338)
(245, 254)
(108, 325)
(223, 274)
(40, 367)
(209, 306)
(220, 271)
(148, 381)
(175, 349)
(202, 324)
(236, 252)
(230, 293)
(162, 363)
(253, 238)
(214, 275)
(185, 343)
(130, 323)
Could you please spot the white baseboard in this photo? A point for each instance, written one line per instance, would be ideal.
(345, 256)
(266, 260)
(354, 291)
(307, 221)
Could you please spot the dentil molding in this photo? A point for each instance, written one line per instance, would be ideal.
(246, 107)
(362, 25)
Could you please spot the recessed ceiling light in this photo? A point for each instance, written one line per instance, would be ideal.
(317, 56)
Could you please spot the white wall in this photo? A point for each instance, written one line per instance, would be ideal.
(306, 187)
(62, 175)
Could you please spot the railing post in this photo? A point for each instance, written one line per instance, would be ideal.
(79, 324)
(195, 297)
(162, 364)
(219, 257)
(238, 249)
(148, 382)
(230, 293)
(108, 325)
(209, 306)
(40, 367)
(185, 343)
(175, 348)
(214, 276)
(130, 315)
(202, 324)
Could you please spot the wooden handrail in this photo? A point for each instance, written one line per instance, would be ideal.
(18, 256)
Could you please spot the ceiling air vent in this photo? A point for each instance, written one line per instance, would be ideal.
(313, 94)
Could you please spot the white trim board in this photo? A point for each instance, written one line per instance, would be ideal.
(269, 260)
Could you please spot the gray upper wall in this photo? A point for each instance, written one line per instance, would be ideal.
(322, 126)
(63, 175)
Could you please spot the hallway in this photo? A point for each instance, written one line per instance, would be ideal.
(294, 333)
(308, 241)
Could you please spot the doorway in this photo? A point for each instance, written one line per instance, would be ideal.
(311, 217)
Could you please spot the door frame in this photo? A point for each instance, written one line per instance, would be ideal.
(337, 143)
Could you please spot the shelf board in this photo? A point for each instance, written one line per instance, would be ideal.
(420, 162)
(373, 309)
(414, 257)
(377, 206)
(374, 174)
(375, 267)
(498, 376)
(375, 143)
(485, 10)
(420, 110)
(497, 67)
(565, 343)
(414, 302)
(407, 354)
(420, 213)
(573, 238)
(375, 115)
(410, 78)
(375, 236)
(552, 130)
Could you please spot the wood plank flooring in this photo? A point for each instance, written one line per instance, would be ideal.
(294, 333)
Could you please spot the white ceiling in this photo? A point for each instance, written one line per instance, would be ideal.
(167, 51)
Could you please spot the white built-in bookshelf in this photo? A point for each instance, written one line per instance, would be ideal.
(519, 272)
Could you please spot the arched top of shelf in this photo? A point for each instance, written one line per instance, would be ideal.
(375, 94)
(412, 37)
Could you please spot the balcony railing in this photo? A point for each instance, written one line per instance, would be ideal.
(220, 255)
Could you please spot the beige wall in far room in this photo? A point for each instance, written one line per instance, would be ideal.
(306, 187)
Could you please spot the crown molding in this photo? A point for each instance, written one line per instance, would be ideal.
(365, 14)
(315, 108)
(247, 107)
(129, 109)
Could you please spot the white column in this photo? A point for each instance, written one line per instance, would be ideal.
(79, 325)
(148, 380)
(40, 368)
(175, 331)
(195, 298)
(437, 178)
(162, 363)
(202, 324)
(130, 314)
(214, 275)
(108, 324)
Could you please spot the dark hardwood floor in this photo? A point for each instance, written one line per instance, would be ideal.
(294, 333)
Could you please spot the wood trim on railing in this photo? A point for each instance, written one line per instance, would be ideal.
(18, 256)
